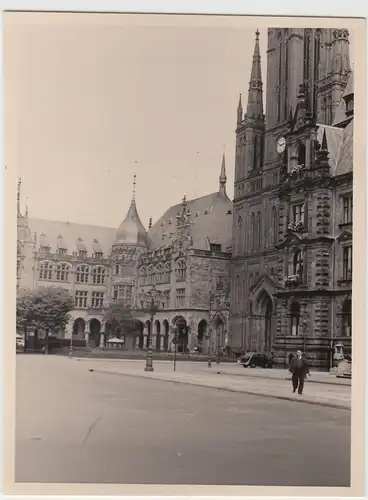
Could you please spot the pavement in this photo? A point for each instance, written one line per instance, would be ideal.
(75, 425)
(320, 388)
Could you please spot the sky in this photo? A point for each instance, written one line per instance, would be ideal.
(92, 99)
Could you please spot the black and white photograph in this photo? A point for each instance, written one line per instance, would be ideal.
(184, 189)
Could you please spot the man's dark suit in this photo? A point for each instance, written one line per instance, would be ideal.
(299, 369)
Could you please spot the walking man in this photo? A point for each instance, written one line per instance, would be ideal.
(299, 369)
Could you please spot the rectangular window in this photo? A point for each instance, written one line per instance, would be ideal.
(82, 253)
(97, 300)
(45, 249)
(80, 299)
(347, 257)
(214, 247)
(347, 209)
(123, 294)
(61, 251)
(180, 297)
(297, 213)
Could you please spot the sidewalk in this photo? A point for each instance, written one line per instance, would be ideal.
(218, 377)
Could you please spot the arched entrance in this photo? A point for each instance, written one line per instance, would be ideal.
(262, 323)
(95, 332)
(220, 332)
(79, 327)
(202, 333)
(165, 325)
(182, 334)
(158, 335)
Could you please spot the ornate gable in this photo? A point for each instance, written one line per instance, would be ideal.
(346, 235)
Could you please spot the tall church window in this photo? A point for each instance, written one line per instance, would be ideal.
(255, 152)
(237, 290)
(259, 231)
(150, 275)
(239, 235)
(45, 272)
(286, 79)
(252, 232)
(306, 57)
(142, 276)
(295, 318)
(159, 274)
(274, 226)
(348, 209)
(167, 271)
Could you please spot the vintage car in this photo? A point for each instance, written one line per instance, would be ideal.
(254, 359)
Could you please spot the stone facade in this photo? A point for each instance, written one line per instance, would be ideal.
(291, 269)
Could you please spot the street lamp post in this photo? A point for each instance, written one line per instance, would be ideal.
(152, 298)
(209, 349)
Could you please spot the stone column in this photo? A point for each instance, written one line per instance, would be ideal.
(102, 340)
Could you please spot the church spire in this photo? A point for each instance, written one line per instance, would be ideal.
(240, 110)
(134, 183)
(223, 177)
(255, 97)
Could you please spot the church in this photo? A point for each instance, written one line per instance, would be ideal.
(270, 270)
(291, 262)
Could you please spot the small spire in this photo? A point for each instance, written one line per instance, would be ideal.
(184, 200)
(255, 97)
(223, 177)
(150, 223)
(18, 196)
(240, 109)
(26, 215)
(324, 141)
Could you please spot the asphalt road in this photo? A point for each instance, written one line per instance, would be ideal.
(73, 425)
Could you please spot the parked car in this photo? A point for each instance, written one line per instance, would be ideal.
(19, 343)
(255, 359)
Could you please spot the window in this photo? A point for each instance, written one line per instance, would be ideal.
(45, 272)
(274, 226)
(307, 45)
(44, 249)
(347, 258)
(98, 255)
(259, 231)
(167, 271)
(255, 152)
(180, 297)
(295, 318)
(18, 269)
(159, 273)
(239, 235)
(142, 276)
(346, 318)
(317, 57)
(297, 213)
(82, 253)
(97, 300)
(150, 275)
(348, 209)
(219, 283)
(253, 231)
(62, 272)
(181, 270)
(98, 276)
(279, 83)
(165, 299)
(80, 299)
(237, 290)
(117, 269)
(61, 251)
(123, 294)
(214, 247)
(298, 265)
(82, 273)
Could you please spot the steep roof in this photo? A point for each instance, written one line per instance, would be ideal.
(131, 231)
(70, 234)
(210, 223)
(340, 147)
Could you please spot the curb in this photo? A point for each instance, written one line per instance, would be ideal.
(310, 381)
(339, 406)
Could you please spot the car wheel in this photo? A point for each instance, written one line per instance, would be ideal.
(252, 365)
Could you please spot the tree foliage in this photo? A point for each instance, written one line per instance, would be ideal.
(44, 308)
(119, 318)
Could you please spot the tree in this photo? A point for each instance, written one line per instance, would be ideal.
(44, 308)
(119, 318)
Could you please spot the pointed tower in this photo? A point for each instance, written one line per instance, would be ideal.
(131, 231)
(240, 111)
(255, 93)
(223, 177)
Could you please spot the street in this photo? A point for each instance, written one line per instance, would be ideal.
(76, 425)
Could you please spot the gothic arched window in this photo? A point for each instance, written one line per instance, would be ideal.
(274, 226)
(253, 232)
(167, 271)
(316, 76)
(279, 83)
(255, 152)
(159, 273)
(239, 235)
(142, 276)
(237, 289)
(62, 271)
(295, 318)
(181, 270)
(259, 231)
(286, 78)
(45, 272)
(150, 275)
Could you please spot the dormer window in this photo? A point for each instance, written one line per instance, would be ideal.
(44, 249)
(82, 253)
(61, 251)
(98, 255)
(214, 247)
